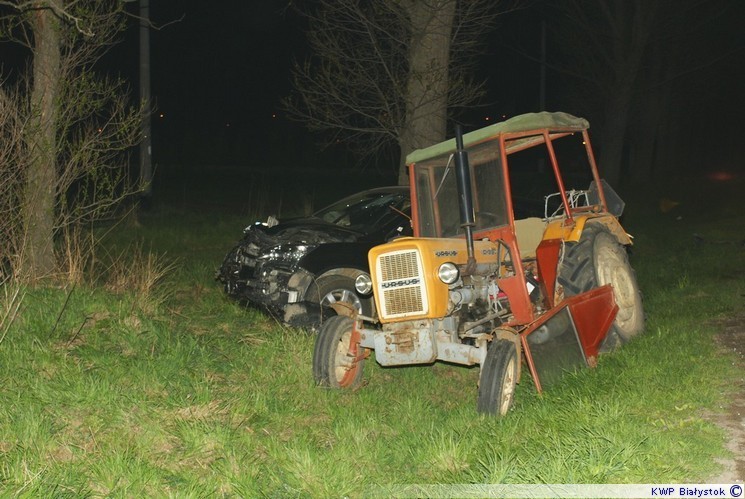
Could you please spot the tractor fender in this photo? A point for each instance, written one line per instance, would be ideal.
(572, 233)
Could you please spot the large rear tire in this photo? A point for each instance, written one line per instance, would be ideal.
(598, 259)
(498, 378)
(337, 362)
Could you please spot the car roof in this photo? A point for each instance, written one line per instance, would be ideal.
(389, 188)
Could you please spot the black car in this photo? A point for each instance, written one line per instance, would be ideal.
(297, 268)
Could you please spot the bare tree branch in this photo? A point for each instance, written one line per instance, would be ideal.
(378, 70)
(66, 129)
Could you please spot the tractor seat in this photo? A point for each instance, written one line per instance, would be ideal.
(529, 234)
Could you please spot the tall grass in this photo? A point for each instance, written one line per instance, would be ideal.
(12, 299)
(197, 396)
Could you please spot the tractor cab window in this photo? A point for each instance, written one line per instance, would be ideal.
(535, 191)
(437, 192)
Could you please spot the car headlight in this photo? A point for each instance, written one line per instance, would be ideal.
(363, 284)
(448, 273)
(287, 253)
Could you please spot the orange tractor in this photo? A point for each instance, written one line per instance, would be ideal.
(507, 263)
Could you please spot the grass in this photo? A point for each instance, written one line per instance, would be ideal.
(187, 394)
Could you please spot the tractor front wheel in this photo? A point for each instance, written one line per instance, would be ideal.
(498, 378)
(337, 359)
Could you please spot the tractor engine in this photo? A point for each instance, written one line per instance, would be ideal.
(474, 297)
(426, 300)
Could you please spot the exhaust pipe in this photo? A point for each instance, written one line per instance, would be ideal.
(465, 197)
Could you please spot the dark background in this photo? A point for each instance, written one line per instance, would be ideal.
(220, 69)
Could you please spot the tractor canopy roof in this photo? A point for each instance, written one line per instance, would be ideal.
(522, 123)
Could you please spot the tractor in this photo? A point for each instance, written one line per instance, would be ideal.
(509, 265)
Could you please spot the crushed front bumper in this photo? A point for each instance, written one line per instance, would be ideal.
(278, 289)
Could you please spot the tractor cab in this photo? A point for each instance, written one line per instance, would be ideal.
(518, 190)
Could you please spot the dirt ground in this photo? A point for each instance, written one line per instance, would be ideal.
(732, 339)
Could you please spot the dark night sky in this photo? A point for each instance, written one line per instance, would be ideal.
(218, 70)
(227, 60)
(219, 73)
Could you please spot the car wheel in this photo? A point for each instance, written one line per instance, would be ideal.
(598, 259)
(337, 362)
(498, 378)
(340, 288)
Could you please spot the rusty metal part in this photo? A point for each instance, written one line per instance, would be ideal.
(344, 308)
(509, 334)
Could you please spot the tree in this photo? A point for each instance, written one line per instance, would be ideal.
(11, 183)
(631, 65)
(41, 138)
(684, 83)
(388, 72)
(603, 43)
(75, 125)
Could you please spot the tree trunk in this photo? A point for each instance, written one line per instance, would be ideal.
(427, 86)
(642, 146)
(633, 23)
(674, 144)
(40, 192)
(613, 137)
(655, 110)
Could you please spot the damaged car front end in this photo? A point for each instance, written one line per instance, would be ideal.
(297, 269)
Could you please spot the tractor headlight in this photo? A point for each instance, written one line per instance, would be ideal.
(448, 273)
(363, 284)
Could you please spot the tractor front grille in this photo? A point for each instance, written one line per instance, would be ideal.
(401, 285)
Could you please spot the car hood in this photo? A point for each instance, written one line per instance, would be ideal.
(302, 231)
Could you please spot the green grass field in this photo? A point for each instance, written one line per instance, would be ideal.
(174, 390)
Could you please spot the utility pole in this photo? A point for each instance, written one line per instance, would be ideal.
(542, 91)
(542, 86)
(146, 163)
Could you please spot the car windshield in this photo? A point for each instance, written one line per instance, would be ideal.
(366, 211)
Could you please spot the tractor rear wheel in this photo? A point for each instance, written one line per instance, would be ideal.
(337, 362)
(498, 378)
(598, 259)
